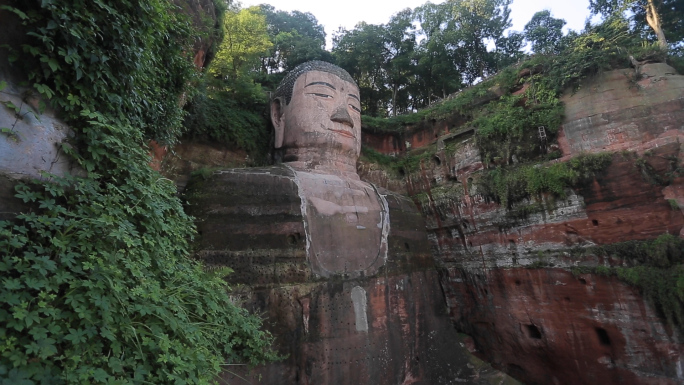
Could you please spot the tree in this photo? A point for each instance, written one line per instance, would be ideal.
(663, 17)
(362, 52)
(245, 41)
(544, 32)
(480, 23)
(437, 72)
(400, 43)
(297, 37)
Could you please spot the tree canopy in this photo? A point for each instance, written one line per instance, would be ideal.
(544, 32)
(661, 19)
(423, 55)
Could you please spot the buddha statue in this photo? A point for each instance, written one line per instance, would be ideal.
(316, 115)
(340, 269)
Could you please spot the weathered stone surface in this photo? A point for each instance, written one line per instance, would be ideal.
(388, 328)
(255, 215)
(30, 147)
(616, 113)
(370, 172)
(414, 136)
(34, 143)
(203, 16)
(545, 326)
(186, 157)
(408, 340)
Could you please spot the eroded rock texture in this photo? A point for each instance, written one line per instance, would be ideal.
(505, 271)
(390, 327)
(203, 16)
(546, 326)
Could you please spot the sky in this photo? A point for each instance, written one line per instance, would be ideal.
(347, 13)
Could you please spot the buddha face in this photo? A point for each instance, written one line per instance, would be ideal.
(323, 118)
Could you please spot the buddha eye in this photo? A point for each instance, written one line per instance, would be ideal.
(353, 107)
(325, 96)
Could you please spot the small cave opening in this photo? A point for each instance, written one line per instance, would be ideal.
(402, 172)
(603, 337)
(533, 332)
(517, 282)
(515, 370)
(594, 222)
(436, 160)
(292, 239)
(406, 246)
(583, 281)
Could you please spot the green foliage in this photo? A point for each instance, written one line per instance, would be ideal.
(145, 54)
(98, 286)
(462, 103)
(507, 185)
(544, 32)
(220, 117)
(676, 59)
(370, 155)
(245, 41)
(230, 107)
(509, 127)
(657, 269)
(674, 205)
(400, 72)
(668, 11)
(297, 37)
(97, 283)
(602, 47)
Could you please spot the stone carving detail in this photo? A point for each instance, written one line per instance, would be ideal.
(358, 296)
(340, 269)
(317, 119)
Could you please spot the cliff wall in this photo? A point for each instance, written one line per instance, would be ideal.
(506, 270)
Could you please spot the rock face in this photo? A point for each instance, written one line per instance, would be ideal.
(546, 326)
(384, 328)
(203, 16)
(30, 144)
(505, 272)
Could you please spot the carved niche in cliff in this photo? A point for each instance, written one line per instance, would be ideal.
(316, 114)
(341, 269)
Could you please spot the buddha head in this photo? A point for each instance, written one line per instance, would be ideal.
(316, 114)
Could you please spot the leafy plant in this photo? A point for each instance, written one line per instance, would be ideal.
(83, 51)
(98, 286)
(219, 116)
(507, 185)
(655, 267)
(97, 281)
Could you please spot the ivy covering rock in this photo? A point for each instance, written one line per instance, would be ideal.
(97, 281)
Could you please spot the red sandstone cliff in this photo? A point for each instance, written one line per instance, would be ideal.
(544, 325)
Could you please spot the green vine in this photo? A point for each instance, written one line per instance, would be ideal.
(657, 270)
(98, 286)
(508, 185)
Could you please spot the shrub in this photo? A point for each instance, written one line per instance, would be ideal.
(97, 282)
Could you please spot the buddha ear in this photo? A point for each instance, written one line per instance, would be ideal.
(278, 121)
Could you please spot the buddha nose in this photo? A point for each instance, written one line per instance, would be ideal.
(341, 115)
